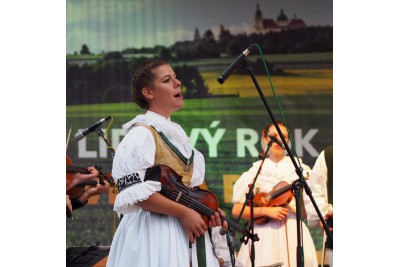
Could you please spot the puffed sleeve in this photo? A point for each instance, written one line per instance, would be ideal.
(241, 186)
(134, 155)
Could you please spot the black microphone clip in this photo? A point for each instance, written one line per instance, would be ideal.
(81, 134)
(221, 231)
(273, 138)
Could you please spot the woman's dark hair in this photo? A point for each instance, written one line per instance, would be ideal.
(279, 122)
(143, 77)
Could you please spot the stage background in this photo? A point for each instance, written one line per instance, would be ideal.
(223, 121)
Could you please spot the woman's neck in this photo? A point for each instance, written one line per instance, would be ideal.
(276, 158)
(165, 115)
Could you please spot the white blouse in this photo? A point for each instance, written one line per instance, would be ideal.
(145, 238)
(136, 153)
(318, 186)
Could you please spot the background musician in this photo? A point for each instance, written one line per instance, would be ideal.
(278, 235)
(82, 186)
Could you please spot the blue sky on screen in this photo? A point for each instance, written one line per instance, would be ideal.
(108, 25)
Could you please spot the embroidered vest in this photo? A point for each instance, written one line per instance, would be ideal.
(167, 154)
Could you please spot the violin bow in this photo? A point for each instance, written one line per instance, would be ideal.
(69, 135)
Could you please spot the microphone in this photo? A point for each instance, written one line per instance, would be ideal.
(231, 246)
(273, 137)
(222, 78)
(221, 231)
(230, 242)
(81, 134)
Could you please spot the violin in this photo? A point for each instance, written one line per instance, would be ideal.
(280, 195)
(203, 201)
(78, 189)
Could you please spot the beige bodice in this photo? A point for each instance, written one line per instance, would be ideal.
(167, 154)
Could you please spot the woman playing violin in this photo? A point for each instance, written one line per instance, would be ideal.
(78, 193)
(80, 178)
(154, 230)
(278, 235)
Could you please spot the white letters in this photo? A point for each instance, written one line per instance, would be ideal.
(83, 152)
(305, 142)
(211, 141)
(250, 143)
(247, 141)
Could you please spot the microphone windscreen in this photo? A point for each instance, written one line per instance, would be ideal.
(221, 231)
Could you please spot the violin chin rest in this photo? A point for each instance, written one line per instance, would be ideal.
(153, 173)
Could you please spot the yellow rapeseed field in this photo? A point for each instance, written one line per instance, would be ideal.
(292, 83)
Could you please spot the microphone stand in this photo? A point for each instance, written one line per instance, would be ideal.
(250, 199)
(231, 245)
(297, 185)
(109, 146)
(101, 134)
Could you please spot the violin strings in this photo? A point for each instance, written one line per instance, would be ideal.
(200, 207)
(279, 192)
(172, 194)
(207, 211)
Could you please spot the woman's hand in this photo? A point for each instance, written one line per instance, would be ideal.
(81, 177)
(215, 220)
(94, 191)
(193, 224)
(276, 213)
(329, 221)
